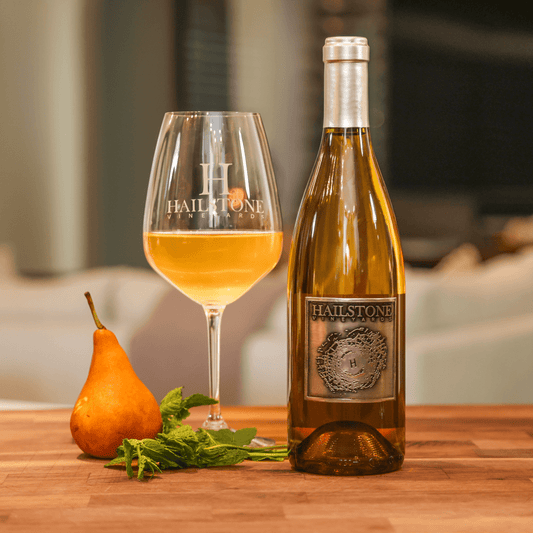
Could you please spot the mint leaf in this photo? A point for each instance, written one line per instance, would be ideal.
(195, 400)
(174, 408)
(129, 446)
(159, 453)
(183, 443)
(243, 437)
(116, 461)
(220, 436)
(228, 457)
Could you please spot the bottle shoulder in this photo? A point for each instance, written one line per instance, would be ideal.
(346, 226)
(346, 188)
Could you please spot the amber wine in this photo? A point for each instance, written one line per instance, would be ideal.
(346, 293)
(213, 268)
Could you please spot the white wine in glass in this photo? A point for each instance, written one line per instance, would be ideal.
(231, 261)
(212, 222)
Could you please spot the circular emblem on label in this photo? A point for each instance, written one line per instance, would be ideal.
(352, 362)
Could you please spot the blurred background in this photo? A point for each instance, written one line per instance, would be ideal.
(84, 87)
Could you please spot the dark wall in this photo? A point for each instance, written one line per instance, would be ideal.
(152, 57)
(135, 85)
(460, 118)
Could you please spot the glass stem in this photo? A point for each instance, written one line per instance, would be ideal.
(214, 316)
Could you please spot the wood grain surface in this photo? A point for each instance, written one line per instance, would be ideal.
(467, 469)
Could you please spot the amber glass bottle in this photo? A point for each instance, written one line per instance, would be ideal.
(346, 292)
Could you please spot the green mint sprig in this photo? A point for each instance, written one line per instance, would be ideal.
(174, 408)
(179, 446)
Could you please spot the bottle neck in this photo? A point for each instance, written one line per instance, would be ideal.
(346, 94)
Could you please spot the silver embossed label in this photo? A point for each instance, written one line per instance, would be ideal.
(350, 349)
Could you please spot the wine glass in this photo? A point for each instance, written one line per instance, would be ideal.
(212, 221)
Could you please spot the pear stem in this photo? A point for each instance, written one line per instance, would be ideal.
(99, 325)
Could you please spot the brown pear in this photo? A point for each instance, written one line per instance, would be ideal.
(114, 403)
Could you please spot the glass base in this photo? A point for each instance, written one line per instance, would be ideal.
(215, 423)
(262, 442)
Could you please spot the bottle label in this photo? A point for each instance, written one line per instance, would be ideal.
(351, 349)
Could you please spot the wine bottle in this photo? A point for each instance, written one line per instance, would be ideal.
(346, 293)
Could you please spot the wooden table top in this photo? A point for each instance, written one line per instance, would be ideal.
(466, 469)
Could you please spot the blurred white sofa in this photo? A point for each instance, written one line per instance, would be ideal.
(46, 331)
(46, 326)
(469, 335)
